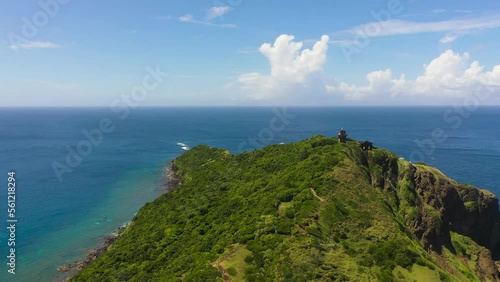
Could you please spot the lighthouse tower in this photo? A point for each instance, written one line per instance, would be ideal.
(342, 136)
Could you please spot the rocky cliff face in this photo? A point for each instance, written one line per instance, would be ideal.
(439, 207)
(463, 209)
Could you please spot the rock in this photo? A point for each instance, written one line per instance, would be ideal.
(478, 221)
(444, 206)
(64, 268)
(173, 180)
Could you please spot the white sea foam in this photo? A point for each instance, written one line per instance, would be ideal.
(183, 146)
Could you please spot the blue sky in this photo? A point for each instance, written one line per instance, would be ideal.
(242, 52)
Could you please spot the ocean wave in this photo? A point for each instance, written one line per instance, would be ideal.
(183, 146)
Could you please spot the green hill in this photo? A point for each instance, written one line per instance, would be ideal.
(315, 210)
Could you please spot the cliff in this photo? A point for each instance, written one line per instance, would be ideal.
(314, 210)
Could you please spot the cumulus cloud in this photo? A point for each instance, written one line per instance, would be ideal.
(293, 69)
(34, 45)
(296, 76)
(449, 75)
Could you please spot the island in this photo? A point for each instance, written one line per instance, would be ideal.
(314, 210)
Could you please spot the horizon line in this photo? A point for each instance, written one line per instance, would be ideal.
(254, 106)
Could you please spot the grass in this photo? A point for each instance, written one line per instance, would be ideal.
(283, 207)
(233, 261)
(463, 272)
(436, 172)
(417, 273)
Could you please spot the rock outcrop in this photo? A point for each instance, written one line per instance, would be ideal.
(441, 206)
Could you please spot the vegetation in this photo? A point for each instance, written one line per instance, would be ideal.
(315, 210)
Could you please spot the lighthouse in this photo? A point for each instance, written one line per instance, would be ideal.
(342, 136)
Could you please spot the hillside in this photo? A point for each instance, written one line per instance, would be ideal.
(314, 210)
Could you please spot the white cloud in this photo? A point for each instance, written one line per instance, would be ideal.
(451, 37)
(212, 14)
(34, 45)
(216, 12)
(187, 18)
(293, 69)
(453, 28)
(296, 77)
(378, 82)
(400, 27)
(448, 38)
(448, 75)
(440, 11)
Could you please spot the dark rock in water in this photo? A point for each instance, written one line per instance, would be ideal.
(64, 268)
(74, 267)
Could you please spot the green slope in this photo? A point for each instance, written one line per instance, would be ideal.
(315, 210)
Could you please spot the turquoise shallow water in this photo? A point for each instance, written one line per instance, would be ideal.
(59, 221)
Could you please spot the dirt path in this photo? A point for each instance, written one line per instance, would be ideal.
(223, 272)
(316, 195)
(224, 258)
(301, 231)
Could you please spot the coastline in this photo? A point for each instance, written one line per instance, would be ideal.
(69, 270)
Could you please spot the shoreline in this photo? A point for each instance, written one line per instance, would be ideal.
(69, 270)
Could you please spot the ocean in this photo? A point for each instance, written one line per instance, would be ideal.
(81, 173)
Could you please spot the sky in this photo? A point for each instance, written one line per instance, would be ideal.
(249, 53)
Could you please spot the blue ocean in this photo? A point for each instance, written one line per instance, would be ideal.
(72, 189)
